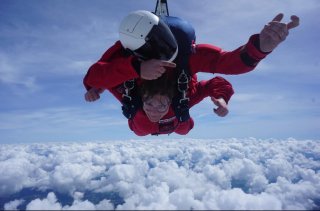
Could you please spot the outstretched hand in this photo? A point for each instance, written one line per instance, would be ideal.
(276, 32)
(222, 109)
(154, 68)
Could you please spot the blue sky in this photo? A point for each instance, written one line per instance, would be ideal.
(46, 47)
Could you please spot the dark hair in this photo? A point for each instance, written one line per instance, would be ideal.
(164, 85)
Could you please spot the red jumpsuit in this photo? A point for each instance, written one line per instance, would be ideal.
(116, 66)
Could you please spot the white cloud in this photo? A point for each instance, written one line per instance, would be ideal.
(14, 170)
(184, 199)
(49, 203)
(236, 199)
(163, 174)
(13, 205)
(68, 177)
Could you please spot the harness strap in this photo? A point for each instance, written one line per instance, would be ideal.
(130, 104)
(128, 85)
(162, 8)
(183, 81)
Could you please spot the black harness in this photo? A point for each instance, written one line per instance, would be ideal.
(130, 103)
(185, 36)
(180, 103)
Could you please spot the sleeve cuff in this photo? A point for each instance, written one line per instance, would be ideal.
(251, 54)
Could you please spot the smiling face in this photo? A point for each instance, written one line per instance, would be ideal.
(156, 107)
(157, 95)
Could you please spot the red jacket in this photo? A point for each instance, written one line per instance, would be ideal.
(116, 67)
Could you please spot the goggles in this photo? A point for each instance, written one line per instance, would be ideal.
(160, 44)
(160, 108)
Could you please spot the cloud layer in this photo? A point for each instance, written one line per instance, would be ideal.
(162, 174)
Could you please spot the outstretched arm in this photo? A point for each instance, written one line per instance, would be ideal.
(218, 88)
(114, 68)
(212, 59)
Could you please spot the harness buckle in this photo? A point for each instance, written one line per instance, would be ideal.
(126, 97)
(183, 81)
(184, 100)
(129, 84)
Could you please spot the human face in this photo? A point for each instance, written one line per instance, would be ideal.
(156, 107)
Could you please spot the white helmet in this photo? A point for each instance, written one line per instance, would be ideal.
(147, 36)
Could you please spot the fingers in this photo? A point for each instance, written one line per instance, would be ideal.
(168, 64)
(161, 68)
(154, 68)
(163, 65)
(295, 21)
(292, 24)
(91, 96)
(221, 111)
(215, 101)
(277, 31)
(157, 73)
(278, 17)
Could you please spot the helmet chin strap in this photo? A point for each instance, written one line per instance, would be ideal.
(174, 55)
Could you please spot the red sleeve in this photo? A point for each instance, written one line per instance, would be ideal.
(212, 59)
(217, 87)
(114, 68)
(184, 127)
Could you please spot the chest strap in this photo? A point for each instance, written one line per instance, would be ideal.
(130, 104)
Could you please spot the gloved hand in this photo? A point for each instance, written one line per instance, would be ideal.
(154, 68)
(93, 94)
(276, 32)
(222, 109)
